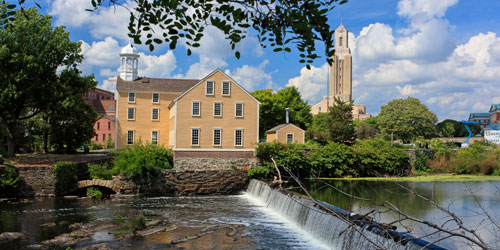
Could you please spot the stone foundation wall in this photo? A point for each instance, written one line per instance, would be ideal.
(214, 160)
(205, 182)
(36, 181)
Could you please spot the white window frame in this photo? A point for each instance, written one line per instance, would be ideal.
(199, 108)
(157, 137)
(220, 115)
(128, 114)
(133, 137)
(293, 137)
(199, 136)
(220, 137)
(152, 114)
(235, 131)
(153, 98)
(213, 88)
(222, 89)
(133, 101)
(242, 109)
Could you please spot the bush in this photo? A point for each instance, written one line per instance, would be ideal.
(260, 172)
(377, 157)
(420, 163)
(94, 193)
(143, 162)
(66, 174)
(100, 171)
(334, 160)
(9, 179)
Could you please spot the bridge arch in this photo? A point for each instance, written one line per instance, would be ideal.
(107, 184)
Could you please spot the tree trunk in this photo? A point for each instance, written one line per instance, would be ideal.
(46, 142)
(11, 138)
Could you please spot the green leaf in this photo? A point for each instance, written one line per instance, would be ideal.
(237, 54)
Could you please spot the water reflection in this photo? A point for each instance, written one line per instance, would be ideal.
(472, 202)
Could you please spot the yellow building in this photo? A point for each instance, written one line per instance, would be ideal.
(212, 123)
(340, 81)
(286, 133)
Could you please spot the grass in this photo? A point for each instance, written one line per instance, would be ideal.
(427, 178)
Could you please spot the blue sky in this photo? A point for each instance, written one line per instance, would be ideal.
(444, 52)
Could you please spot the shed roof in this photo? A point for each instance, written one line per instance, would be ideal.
(281, 126)
(155, 84)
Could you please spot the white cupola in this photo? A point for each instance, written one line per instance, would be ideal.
(129, 63)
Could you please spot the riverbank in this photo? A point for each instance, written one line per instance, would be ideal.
(426, 178)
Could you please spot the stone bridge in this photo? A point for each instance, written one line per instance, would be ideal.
(99, 183)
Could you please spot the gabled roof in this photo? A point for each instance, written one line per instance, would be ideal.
(281, 126)
(155, 84)
(494, 107)
(479, 115)
(206, 77)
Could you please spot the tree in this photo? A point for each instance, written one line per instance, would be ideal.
(341, 127)
(366, 129)
(31, 51)
(452, 128)
(273, 105)
(406, 119)
(68, 123)
(318, 131)
(278, 23)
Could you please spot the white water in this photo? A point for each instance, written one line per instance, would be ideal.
(326, 230)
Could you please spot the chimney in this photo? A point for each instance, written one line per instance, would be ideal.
(287, 114)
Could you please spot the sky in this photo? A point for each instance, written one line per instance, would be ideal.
(444, 52)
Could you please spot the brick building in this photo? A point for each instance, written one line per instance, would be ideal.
(105, 105)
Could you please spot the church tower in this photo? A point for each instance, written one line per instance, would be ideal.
(129, 63)
(341, 68)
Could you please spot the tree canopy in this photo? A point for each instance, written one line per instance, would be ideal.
(407, 119)
(453, 128)
(336, 125)
(273, 105)
(31, 52)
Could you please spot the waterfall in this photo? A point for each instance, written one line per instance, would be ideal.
(327, 228)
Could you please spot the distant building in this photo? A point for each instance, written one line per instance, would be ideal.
(340, 81)
(286, 133)
(105, 105)
(494, 114)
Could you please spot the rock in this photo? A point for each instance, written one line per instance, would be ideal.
(71, 197)
(153, 223)
(48, 225)
(10, 236)
(102, 246)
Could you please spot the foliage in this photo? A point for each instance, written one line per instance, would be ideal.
(100, 171)
(259, 173)
(378, 157)
(133, 222)
(273, 105)
(66, 174)
(407, 119)
(341, 129)
(334, 160)
(110, 144)
(420, 163)
(318, 131)
(31, 52)
(94, 193)
(143, 161)
(452, 128)
(9, 179)
(278, 24)
(365, 131)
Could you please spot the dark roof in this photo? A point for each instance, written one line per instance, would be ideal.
(112, 118)
(494, 107)
(155, 84)
(280, 127)
(479, 115)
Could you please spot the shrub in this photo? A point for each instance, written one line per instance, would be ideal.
(259, 173)
(9, 179)
(94, 193)
(377, 157)
(420, 163)
(100, 171)
(334, 160)
(66, 174)
(143, 162)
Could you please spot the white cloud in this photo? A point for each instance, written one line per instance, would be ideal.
(102, 53)
(311, 83)
(157, 66)
(204, 67)
(109, 85)
(407, 90)
(424, 9)
(252, 78)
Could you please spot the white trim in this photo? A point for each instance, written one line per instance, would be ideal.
(242, 109)
(133, 137)
(199, 108)
(199, 137)
(152, 98)
(175, 127)
(128, 97)
(149, 91)
(293, 137)
(209, 75)
(289, 124)
(213, 137)
(304, 137)
(216, 149)
(220, 110)
(157, 137)
(242, 136)
(158, 114)
(213, 87)
(128, 111)
(222, 88)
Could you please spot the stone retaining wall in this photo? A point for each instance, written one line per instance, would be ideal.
(206, 182)
(36, 181)
(214, 160)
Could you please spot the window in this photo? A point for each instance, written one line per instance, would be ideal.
(155, 116)
(96, 137)
(109, 125)
(103, 137)
(111, 107)
(340, 85)
(217, 108)
(238, 137)
(210, 88)
(217, 136)
(130, 137)
(340, 76)
(131, 97)
(196, 108)
(131, 114)
(195, 137)
(154, 137)
(289, 138)
(156, 98)
(340, 68)
(340, 38)
(239, 110)
(226, 88)
(319, 109)
(98, 125)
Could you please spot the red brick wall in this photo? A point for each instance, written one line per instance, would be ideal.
(103, 131)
